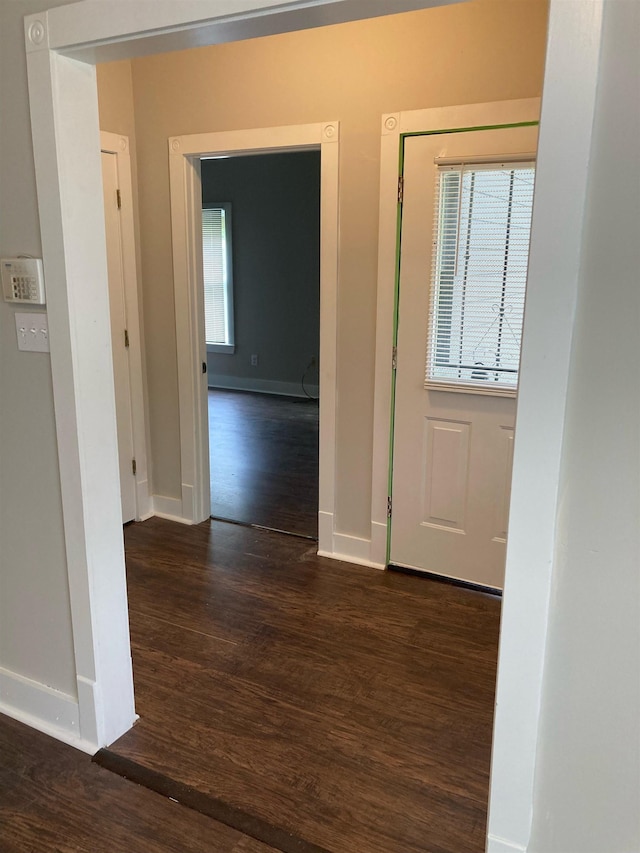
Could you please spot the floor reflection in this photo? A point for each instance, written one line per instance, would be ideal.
(264, 460)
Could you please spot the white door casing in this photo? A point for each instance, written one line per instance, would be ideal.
(125, 315)
(452, 446)
(395, 127)
(186, 223)
(119, 336)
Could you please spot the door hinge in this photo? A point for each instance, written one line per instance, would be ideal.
(400, 189)
(126, 337)
(118, 199)
(394, 358)
(389, 507)
(134, 467)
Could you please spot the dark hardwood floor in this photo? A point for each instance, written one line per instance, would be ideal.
(264, 460)
(349, 707)
(52, 798)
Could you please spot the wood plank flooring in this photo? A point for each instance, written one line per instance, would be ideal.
(348, 706)
(264, 460)
(52, 798)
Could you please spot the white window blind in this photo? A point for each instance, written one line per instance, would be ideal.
(216, 251)
(479, 272)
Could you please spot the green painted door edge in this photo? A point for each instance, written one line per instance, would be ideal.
(396, 303)
(396, 293)
(404, 136)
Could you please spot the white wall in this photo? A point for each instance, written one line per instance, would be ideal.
(35, 624)
(588, 765)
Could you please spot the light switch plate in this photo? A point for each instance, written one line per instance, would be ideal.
(33, 332)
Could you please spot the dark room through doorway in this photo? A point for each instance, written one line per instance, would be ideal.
(261, 245)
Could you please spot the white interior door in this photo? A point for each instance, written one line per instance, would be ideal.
(119, 335)
(457, 355)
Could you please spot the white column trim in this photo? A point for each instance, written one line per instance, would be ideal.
(562, 174)
(93, 33)
(66, 145)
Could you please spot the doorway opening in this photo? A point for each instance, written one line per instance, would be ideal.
(72, 240)
(261, 270)
(199, 364)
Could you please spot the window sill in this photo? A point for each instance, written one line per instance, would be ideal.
(471, 388)
(221, 349)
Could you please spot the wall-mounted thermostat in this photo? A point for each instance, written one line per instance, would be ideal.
(23, 280)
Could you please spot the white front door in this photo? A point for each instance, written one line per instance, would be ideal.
(119, 335)
(465, 224)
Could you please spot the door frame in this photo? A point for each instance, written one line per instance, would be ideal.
(185, 153)
(468, 131)
(118, 144)
(395, 128)
(62, 45)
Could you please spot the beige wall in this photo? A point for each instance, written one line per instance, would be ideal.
(115, 100)
(479, 51)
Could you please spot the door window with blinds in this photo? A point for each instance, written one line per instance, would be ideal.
(479, 272)
(218, 282)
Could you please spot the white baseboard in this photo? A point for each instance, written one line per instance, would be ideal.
(501, 845)
(325, 532)
(340, 546)
(378, 552)
(169, 508)
(354, 549)
(49, 711)
(264, 386)
(143, 500)
(187, 504)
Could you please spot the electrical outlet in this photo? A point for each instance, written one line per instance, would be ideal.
(254, 360)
